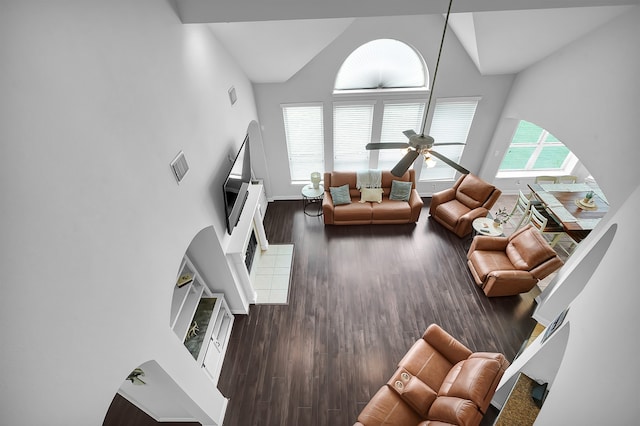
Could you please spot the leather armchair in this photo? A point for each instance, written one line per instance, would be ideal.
(456, 208)
(439, 381)
(505, 266)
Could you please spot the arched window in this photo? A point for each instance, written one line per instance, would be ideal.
(534, 149)
(382, 64)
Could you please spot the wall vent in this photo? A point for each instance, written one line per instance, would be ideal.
(179, 166)
(232, 95)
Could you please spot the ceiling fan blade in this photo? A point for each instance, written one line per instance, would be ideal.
(390, 145)
(409, 133)
(404, 164)
(448, 143)
(453, 164)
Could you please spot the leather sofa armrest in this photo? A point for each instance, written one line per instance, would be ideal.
(416, 204)
(508, 283)
(464, 225)
(492, 199)
(447, 345)
(327, 208)
(441, 197)
(545, 268)
(486, 242)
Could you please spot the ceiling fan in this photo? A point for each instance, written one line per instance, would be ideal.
(421, 143)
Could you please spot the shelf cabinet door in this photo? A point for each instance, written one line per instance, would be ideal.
(220, 334)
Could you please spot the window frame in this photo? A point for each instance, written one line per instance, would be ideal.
(361, 103)
(423, 168)
(321, 156)
(567, 167)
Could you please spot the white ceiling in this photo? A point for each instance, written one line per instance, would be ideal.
(500, 36)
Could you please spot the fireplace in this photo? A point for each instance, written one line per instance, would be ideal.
(251, 250)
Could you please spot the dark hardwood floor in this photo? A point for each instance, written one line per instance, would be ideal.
(359, 297)
(123, 413)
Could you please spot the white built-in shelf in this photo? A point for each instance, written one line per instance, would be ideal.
(186, 298)
(193, 304)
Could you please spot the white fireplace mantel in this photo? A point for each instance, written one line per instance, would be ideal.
(235, 245)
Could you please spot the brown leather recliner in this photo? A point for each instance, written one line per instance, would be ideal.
(439, 381)
(456, 208)
(505, 266)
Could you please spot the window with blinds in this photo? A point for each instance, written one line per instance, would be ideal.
(303, 126)
(397, 118)
(451, 123)
(351, 133)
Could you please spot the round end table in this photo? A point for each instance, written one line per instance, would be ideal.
(486, 226)
(312, 197)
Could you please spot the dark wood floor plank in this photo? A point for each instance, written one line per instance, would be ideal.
(359, 297)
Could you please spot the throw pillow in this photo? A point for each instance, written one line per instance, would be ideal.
(371, 194)
(400, 191)
(340, 194)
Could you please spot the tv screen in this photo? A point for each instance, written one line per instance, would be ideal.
(236, 185)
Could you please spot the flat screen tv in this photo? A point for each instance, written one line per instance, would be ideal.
(236, 186)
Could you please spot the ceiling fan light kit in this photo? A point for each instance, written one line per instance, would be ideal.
(421, 144)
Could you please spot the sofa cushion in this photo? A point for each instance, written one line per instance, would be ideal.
(400, 191)
(391, 210)
(387, 408)
(455, 411)
(471, 379)
(426, 363)
(343, 178)
(357, 212)
(473, 191)
(451, 211)
(388, 177)
(340, 195)
(529, 249)
(373, 195)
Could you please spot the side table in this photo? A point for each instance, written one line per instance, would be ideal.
(486, 226)
(312, 197)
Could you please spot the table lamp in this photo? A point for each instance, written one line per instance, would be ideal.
(315, 180)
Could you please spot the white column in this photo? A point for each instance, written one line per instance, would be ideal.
(259, 227)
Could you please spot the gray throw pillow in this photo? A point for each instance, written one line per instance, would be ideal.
(400, 191)
(340, 194)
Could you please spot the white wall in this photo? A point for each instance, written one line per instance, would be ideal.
(97, 98)
(587, 95)
(457, 76)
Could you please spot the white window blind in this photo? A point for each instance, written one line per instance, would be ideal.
(303, 127)
(397, 118)
(451, 123)
(351, 133)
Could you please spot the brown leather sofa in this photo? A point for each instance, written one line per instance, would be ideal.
(505, 266)
(356, 213)
(456, 208)
(439, 381)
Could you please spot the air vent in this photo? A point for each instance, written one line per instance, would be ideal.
(232, 95)
(179, 166)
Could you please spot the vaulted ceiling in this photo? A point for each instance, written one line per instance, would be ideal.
(273, 39)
